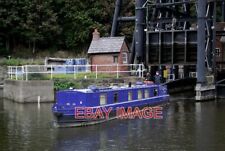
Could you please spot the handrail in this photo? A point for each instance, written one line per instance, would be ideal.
(137, 69)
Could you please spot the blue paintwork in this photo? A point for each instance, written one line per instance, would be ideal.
(67, 100)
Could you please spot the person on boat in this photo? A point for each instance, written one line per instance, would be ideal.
(148, 77)
(157, 78)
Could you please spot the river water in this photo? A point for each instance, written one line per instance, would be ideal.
(186, 125)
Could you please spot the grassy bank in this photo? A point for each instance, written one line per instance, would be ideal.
(79, 80)
(77, 76)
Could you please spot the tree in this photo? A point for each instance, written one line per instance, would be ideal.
(64, 24)
(80, 18)
(10, 19)
(40, 22)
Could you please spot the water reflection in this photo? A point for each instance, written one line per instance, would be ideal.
(26, 127)
(209, 126)
(185, 126)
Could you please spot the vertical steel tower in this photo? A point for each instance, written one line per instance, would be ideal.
(174, 33)
(138, 44)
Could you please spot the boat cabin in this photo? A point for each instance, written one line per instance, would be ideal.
(97, 97)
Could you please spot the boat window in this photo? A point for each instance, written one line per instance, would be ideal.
(139, 94)
(129, 96)
(155, 92)
(146, 93)
(115, 98)
(103, 99)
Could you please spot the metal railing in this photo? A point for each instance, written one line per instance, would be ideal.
(49, 71)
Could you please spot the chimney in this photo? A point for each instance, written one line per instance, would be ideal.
(96, 35)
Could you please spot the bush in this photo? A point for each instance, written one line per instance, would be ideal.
(13, 62)
(20, 62)
(62, 85)
(76, 84)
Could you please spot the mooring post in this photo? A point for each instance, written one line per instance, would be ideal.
(39, 100)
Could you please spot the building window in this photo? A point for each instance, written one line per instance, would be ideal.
(103, 99)
(115, 98)
(146, 94)
(217, 52)
(139, 94)
(115, 59)
(124, 57)
(129, 96)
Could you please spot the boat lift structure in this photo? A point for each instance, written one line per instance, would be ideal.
(177, 35)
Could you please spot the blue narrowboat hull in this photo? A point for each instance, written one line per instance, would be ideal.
(66, 117)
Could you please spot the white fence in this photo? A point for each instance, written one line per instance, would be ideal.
(24, 72)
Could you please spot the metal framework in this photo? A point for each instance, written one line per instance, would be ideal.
(178, 32)
(181, 32)
(138, 44)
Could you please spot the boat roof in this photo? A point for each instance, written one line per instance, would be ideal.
(93, 89)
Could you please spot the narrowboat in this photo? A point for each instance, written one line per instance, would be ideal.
(81, 107)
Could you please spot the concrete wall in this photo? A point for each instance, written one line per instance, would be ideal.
(28, 91)
(3, 73)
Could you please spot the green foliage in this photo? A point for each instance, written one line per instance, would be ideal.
(60, 24)
(79, 18)
(12, 62)
(62, 85)
(88, 75)
(19, 62)
(40, 24)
